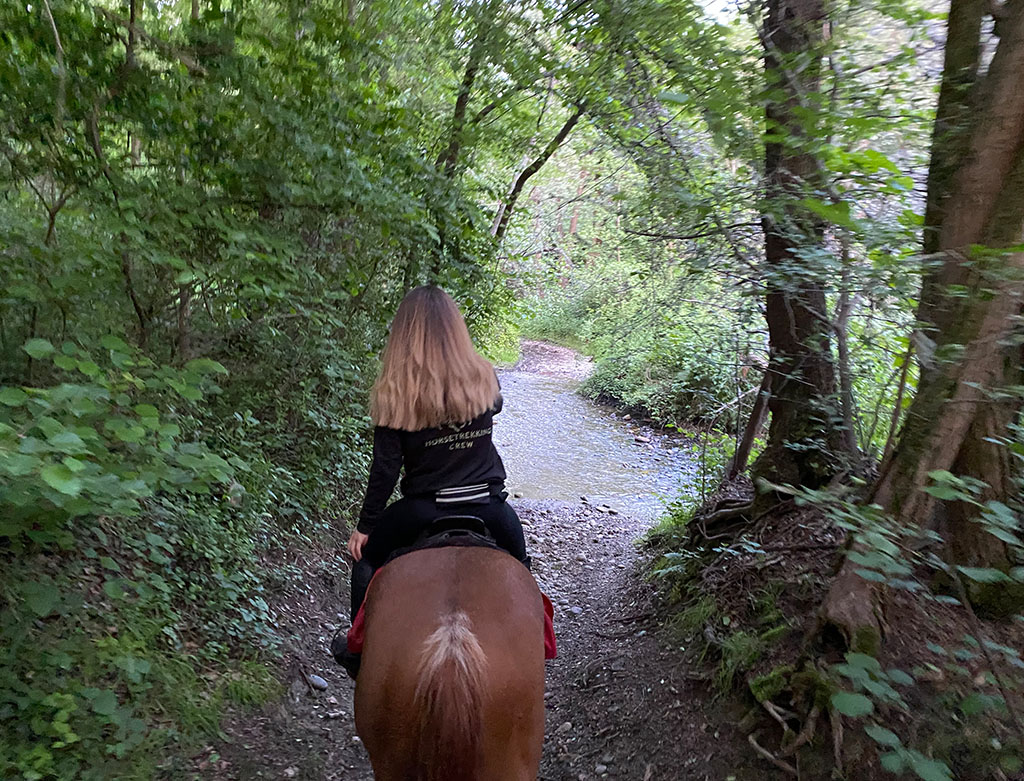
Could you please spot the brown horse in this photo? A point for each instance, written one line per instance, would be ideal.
(451, 686)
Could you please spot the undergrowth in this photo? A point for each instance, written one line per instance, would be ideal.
(137, 537)
(937, 703)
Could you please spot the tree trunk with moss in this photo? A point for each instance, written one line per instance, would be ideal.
(969, 312)
(803, 436)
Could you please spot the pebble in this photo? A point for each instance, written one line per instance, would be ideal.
(564, 727)
(317, 682)
(601, 769)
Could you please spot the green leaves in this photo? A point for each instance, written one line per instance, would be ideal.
(838, 213)
(41, 597)
(38, 348)
(984, 574)
(924, 767)
(13, 397)
(205, 366)
(103, 701)
(62, 479)
(100, 445)
(851, 704)
(882, 736)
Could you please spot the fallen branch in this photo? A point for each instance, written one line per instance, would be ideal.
(734, 402)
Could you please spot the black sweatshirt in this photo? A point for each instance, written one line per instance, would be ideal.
(453, 464)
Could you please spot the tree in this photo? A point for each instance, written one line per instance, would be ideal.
(968, 396)
(803, 437)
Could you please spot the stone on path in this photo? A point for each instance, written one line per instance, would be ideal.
(317, 682)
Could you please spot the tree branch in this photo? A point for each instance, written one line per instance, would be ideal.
(533, 168)
(62, 74)
(716, 230)
(163, 47)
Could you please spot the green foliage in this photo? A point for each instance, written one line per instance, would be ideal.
(740, 651)
(980, 670)
(772, 683)
(105, 436)
(690, 622)
(205, 229)
(670, 530)
(678, 374)
(875, 692)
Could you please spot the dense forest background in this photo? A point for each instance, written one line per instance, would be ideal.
(796, 230)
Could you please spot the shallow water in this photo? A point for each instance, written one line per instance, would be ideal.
(558, 445)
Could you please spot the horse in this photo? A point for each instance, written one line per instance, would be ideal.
(451, 686)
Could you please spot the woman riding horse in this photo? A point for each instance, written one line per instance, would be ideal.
(432, 408)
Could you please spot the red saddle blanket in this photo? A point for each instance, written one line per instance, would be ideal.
(357, 632)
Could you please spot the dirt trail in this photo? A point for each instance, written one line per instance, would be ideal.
(620, 702)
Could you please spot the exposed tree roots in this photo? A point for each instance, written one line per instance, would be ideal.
(853, 610)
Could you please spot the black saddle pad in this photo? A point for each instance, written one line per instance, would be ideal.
(451, 531)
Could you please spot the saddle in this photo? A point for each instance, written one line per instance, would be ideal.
(466, 531)
(460, 531)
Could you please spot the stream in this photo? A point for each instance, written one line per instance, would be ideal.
(557, 445)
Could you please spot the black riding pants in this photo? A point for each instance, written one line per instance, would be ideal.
(403, 521)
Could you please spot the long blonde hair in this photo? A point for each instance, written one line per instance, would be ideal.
(430, 372)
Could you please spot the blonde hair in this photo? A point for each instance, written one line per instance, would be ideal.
(430, 372)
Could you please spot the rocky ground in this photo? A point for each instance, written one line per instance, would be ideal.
(553, 359)
(621, 702)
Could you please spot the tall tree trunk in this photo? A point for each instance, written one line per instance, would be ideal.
(134, 23)
(971, 303)
(950, 133)
(803, 436)
(844, 309)
(448, 160)
(184, 322)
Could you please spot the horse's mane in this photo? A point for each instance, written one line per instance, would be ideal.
(450, 680)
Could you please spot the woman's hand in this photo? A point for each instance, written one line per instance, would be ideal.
(356, 543)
